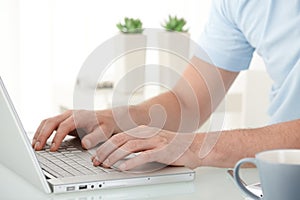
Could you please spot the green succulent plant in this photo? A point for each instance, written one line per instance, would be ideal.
(131, 26)
(175, 24)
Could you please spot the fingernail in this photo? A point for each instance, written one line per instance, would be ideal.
(122, 167)
(37, 145)
(87, 144)
(96, 161)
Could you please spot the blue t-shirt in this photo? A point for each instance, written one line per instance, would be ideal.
(237, 28)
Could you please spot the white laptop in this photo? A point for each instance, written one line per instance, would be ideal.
(70, 168)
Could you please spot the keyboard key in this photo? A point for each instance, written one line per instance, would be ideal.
(68, 161)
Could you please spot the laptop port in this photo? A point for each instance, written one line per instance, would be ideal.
(71, 188)
(82, 187)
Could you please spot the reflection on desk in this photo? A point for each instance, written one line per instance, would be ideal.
(210, 183)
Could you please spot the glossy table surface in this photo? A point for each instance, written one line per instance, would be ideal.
(210, 183)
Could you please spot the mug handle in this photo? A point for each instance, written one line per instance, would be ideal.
(237, 178)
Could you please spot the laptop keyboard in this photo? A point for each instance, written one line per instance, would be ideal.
(68, 161)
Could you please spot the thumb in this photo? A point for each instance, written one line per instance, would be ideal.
(98, 135)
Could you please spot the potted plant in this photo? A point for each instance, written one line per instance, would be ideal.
(175, 24)
(131, 26)
(130, 44)
(174, 43)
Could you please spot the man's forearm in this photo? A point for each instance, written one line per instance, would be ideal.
(236, 144)
(191, 101)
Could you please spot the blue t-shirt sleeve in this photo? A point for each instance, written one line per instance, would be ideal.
(222, 41)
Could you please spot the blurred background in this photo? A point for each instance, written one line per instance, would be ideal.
(43, 44)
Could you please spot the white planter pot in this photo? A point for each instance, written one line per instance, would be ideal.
(130, 66)
(174, 55)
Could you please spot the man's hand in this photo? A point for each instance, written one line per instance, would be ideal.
(97, 125)
(154, 145)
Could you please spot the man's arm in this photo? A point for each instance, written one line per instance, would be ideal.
(236, 144)
(183, 109)
(203, 148)
(191, 101)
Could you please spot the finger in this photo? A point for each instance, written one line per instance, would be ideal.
(100, 134)
(63, 129)
(142, 158)
(46, 128)
(34, 140)
(111, 145)
(129, 147)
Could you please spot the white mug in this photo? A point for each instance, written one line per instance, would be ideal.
(279, 172)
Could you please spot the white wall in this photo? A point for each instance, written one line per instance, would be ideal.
(36, 61)
(44, 42)
(9, 46)
(80, 26)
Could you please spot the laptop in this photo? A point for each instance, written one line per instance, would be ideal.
(70, 168)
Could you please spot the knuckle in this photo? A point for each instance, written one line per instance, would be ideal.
(68, 112)
(160, 140)
(44, 121)
(118, 139)
(50, 121)
(163, 140)
(132, 145)
(47, 122)
(64, 128)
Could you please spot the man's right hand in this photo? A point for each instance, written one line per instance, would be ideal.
(97, 125)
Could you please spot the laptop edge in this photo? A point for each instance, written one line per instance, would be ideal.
(15, 149)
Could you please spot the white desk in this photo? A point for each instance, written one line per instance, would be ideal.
(210, 184)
